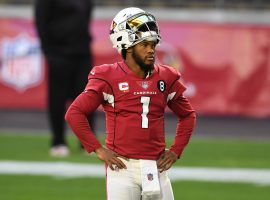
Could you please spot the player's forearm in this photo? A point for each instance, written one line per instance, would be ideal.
(76, 117)
(184, 131)
(81, 128)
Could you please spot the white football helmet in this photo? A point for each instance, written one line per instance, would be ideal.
(131, 26)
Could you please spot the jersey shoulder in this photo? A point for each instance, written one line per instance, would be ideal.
(102, 71)
(168, 73)
(101, 76)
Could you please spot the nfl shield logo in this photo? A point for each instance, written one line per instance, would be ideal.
(150, 177)
(21, 62)
(145, 84)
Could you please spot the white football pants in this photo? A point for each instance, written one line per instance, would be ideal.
(126, 184)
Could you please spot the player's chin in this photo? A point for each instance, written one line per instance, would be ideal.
(149, 61)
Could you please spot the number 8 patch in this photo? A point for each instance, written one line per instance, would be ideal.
(161, 85)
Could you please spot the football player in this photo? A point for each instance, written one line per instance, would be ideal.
(134, 93)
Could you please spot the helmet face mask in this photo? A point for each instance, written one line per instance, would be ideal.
(132, 26)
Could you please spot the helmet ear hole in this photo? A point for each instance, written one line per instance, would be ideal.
(119, 39)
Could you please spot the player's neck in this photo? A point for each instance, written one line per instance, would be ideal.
(136, 69)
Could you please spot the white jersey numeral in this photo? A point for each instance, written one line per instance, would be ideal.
(145, 109)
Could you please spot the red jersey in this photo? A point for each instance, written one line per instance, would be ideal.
(135, 108)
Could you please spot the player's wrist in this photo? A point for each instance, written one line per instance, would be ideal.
(175, 152)
(99, 149)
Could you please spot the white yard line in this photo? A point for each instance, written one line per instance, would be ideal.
(66, 169)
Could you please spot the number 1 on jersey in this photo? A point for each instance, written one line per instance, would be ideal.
(145, 109)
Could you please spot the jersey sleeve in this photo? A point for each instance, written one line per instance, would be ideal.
(176, 90)
(172, 78)
(183, 110)
(186, 122)
(86, 103)
(76, 116)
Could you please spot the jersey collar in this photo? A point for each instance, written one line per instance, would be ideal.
(124, 66)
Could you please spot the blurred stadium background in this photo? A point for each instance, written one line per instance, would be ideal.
(222, 48)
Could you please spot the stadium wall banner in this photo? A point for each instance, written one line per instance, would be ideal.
(225, 67)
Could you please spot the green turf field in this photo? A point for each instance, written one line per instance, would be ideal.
(200, 152)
